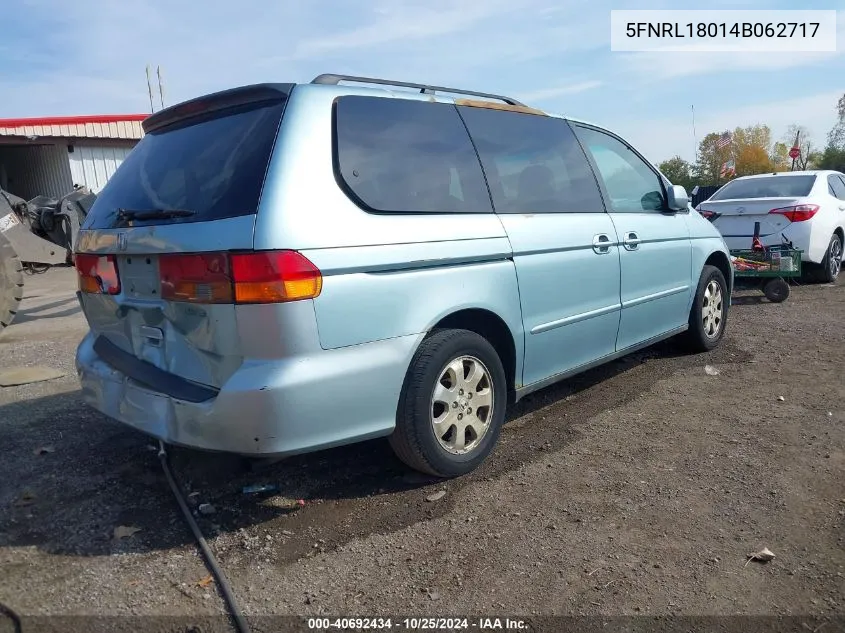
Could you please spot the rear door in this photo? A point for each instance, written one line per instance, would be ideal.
(655, 250)
(153, 254)
(741, 204)
(564, 245)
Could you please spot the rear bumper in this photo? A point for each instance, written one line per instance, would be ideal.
(278, 407)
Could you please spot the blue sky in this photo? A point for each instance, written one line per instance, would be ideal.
(89, 56)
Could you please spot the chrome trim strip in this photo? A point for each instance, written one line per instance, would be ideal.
(657, 295)
(575, 318)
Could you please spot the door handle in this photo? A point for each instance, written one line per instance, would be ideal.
(631, 241)
(601, 244)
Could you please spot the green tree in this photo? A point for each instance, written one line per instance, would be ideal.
(678, 171)
(831, 158)
(710, 160)
(780, 156)
(836, 137)
(750, 148)
(753, 136)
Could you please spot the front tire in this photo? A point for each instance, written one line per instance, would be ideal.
(452, 405)
(709, 313)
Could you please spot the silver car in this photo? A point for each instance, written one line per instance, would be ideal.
(282, 268)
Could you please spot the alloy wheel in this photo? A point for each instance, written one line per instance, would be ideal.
(712, 309)
(462, 405)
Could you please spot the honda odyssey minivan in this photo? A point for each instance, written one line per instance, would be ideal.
(282, 268)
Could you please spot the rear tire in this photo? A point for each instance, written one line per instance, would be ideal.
(709, 314)
(11, 282)
(831, 264)
(452, 405)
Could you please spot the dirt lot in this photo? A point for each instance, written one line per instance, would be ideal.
(638, 488)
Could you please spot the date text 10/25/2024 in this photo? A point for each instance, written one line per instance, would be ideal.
(481, 624)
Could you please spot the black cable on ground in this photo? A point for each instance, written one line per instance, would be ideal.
(213, 567)
(14, 617)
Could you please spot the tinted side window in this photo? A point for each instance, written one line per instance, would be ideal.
(398, 155)
(836, 186)
(631, 185)
(533, 163)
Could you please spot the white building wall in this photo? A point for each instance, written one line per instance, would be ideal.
(93, 165)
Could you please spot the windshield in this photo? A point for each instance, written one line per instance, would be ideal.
(207, 169)
(766, 187)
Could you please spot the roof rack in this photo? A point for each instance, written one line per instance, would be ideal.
(331, 79)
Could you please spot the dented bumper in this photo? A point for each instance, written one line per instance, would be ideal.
(295, 405)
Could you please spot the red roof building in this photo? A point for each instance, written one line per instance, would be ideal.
(49, 155)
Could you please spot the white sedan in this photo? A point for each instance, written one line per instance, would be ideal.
(806, 208)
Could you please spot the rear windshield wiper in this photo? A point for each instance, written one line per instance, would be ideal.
(153, 214)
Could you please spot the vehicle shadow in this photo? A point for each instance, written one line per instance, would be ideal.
(38, 312)
(71, 476)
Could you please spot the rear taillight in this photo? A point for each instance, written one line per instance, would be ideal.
(196, 278)
(97, 274)
(705, 213)
(260, 277)
(798, 213)
(271, 277)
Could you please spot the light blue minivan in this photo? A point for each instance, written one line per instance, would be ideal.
(281, 268)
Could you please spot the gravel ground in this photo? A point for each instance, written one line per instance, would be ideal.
(637, 488)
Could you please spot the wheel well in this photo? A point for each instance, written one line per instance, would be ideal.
(720, 261)
(840, 233)
(491, 327)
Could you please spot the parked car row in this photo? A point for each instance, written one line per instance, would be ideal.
(282, 268)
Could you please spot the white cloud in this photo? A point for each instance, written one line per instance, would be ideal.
(550, 93)
(664, 138)
(95, 56)
(660, 66)
(410, 21)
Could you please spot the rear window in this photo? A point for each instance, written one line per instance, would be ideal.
(766, 187)
(399, 155)
(213, 167)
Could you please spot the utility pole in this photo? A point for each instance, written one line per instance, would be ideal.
(160, 89)
(150, 89)
(694, 137)
(796, 146)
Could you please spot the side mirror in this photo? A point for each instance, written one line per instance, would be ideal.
(678, 198)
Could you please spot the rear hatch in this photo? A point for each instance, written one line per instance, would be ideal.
(155, 256)
(773, 201)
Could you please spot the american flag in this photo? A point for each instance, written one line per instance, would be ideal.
(724, 140)
(728, 168)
